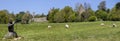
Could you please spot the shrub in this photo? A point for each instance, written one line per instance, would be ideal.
(92, 18)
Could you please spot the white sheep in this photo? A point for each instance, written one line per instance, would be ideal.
(66, 26)
(102, 24)
(114, 25)
(49, 26)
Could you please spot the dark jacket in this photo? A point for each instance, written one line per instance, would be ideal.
(11, 27)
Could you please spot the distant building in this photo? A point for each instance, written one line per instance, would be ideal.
(81, 9)
(42, 19)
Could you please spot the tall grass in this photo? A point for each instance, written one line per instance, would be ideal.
(81, 31)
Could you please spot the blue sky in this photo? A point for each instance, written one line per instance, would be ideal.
(43, 6)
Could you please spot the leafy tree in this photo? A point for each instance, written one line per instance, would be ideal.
(114, 14)
(102, 6)
(87, 13)
(59, 17)
(91, 12)
(26, 18)
(43, 15)
(108, 11)
(20, 15)
(40, 15)
(78, 11)
(51, 13)
(117, 6)
(92, 18)
(12, 16)
(69, 14)
(4, 17)
(101, 15)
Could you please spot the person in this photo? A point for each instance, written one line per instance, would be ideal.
(11, 32)
(11, 28)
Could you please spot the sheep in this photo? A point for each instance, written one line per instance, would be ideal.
(114, 25)
(66, 26)
(49, 26)
(102, 24)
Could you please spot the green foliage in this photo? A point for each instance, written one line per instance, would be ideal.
(20, 15)
(64, 15)
(117, 6)
(59, 17)
(92, 18)
(52, 12)
(69, 14)
(78, 18)
(4, 16)
(91, 12)
(79, 9)
(26, 18)
(84, 16)
(12, 16)
(102, 6)
(114, 13)
(40, 15)
(101, 15)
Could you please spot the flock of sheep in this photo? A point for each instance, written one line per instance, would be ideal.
(67, 26)
(113, 25)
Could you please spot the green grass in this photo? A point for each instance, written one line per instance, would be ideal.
(80, 31)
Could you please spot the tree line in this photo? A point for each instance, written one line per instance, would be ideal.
(84, 13)
(23, 17)
(81, 13)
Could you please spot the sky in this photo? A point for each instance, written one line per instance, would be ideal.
(43, 6)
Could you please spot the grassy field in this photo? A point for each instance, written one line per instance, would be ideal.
(81, 31)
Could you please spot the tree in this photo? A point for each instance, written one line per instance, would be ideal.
(42, 15)
(101, 15)
(102, 6)
(114, 13)
(4, 17)
(12, 16)
(26, 17)
(92, 18)
(117, 6)
(108, 11)
(69, 14)
(87, 12)
(51, 13)
(20, 15)
(78, 11)
(59, 17)
(91, 12)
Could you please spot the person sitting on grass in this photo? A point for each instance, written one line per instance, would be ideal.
(11, 32)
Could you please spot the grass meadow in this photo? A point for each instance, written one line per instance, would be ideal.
(78, 31)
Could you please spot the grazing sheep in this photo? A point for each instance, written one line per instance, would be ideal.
(114, 25)
(66, 26)
(49, 26)
(102, 24)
